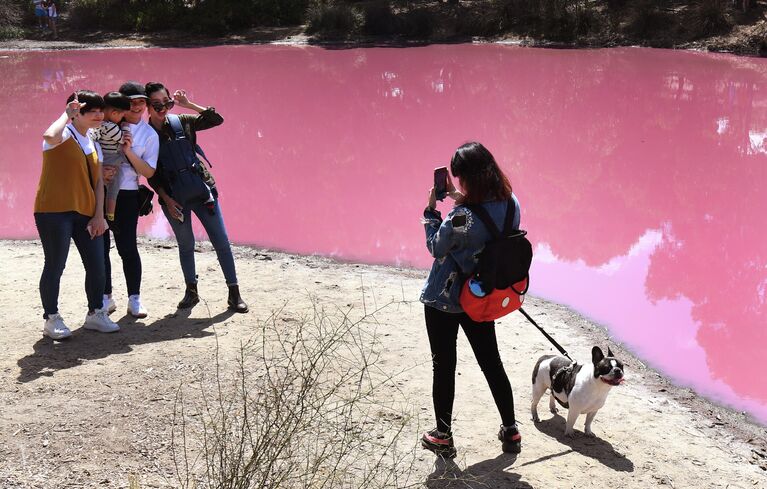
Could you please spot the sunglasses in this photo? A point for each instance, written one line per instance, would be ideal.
(158, 107)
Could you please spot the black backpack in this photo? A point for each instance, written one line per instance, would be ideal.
(181, 168)
(506, 258)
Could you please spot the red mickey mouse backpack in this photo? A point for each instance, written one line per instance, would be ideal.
(500, 282)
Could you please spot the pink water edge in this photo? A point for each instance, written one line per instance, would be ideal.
(640, 172)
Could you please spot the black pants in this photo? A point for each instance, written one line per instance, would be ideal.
(442, 328)
(124, 226)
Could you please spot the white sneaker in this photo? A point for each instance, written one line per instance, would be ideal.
(135, 308)
(109, 304)
(55, 328)
(99, 321)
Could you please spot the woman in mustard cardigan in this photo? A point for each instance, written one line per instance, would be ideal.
(69, 206)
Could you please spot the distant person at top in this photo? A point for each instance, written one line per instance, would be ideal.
(41, 14)
(53, 16)
(69, 207)
(110, 137)
(454, 243)
(140, 146)
(206, 208)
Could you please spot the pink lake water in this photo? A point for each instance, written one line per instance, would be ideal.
(640, 172)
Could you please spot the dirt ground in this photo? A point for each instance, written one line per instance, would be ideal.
(96, 410)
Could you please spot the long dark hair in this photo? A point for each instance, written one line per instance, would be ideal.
(481, 177)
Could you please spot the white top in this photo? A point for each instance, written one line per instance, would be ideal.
(53, 11)
(86, 143)
(146, 145)
(38, 3)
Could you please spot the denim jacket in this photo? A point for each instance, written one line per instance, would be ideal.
(455, 244)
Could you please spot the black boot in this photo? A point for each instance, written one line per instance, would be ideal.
(235, 302)
(190, 297)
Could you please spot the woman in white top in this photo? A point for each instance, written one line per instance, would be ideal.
(69, 207)
(140, 146)
(53, 15)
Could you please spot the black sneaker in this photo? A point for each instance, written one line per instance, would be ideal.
(439, 443)
(512, 440)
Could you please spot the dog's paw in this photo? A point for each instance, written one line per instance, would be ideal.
(553, 410)
(570, 433)
(536, 419)
(590, 434)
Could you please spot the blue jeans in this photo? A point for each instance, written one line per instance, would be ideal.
(56, 229)
(213, 222)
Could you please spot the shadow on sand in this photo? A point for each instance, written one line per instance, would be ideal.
(493, 473)
(50, 356)
(596, 448)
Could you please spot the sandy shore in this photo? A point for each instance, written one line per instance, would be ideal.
(97, 410)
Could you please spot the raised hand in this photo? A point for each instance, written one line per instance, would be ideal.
(74, 107)
(181, 99)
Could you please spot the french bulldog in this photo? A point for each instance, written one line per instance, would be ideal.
(581, 388)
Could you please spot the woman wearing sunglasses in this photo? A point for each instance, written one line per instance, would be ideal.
(179, 213)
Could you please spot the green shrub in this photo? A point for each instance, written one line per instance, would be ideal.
(379, 20)
(418, 22)
(11, 32)
(142, 15)
(645, 18)
(711, 17)
(11, 16)
(332, 20)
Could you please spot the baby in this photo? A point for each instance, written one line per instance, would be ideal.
(110, 136)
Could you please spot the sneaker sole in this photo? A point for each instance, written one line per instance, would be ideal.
(138, 316)
(93, 328)
(55, 337)
(444, 452)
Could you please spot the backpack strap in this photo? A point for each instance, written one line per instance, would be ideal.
(175, 124)
(484, 216)
(200, 152)
(508, 224)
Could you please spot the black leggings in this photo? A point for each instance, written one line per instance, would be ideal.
(442, 328)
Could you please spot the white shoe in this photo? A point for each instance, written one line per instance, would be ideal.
(109, 304)
(99, 321)
(55, 328)
(135, 308)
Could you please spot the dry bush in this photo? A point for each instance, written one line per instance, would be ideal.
(711, 17)
(12, 16)
(302, 408)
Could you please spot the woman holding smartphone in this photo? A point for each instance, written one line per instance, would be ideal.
(454, 243)
(179, 213)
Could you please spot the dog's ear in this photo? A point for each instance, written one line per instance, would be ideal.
(596, 355)
(609, 352)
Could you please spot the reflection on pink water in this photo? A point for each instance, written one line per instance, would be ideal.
(640, 172)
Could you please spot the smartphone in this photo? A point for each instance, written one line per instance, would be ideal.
(180, 213)
(440, 182)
